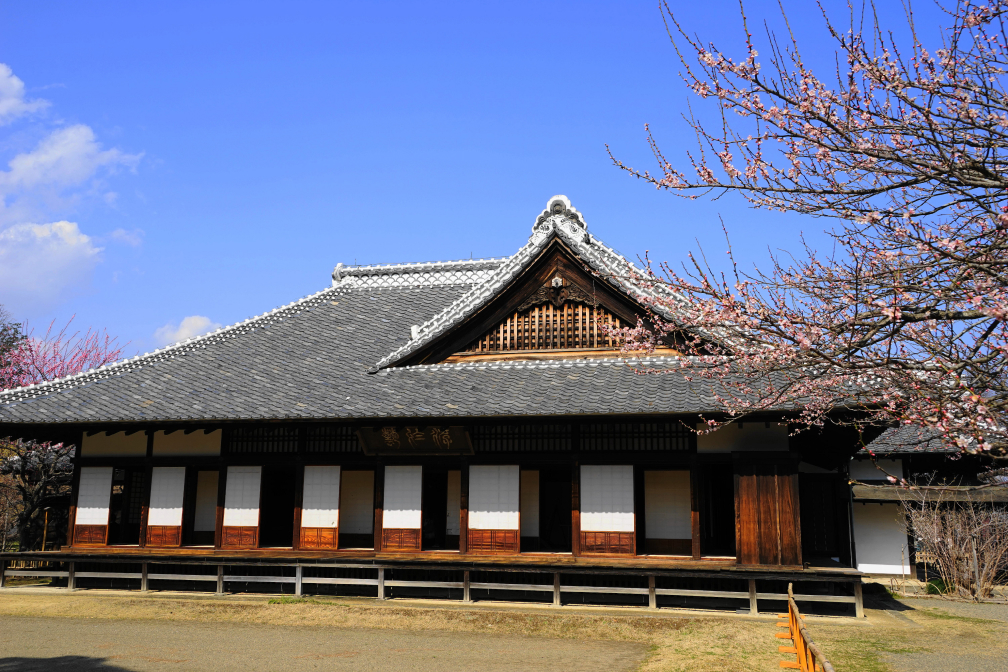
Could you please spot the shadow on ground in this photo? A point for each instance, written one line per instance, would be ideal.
(85, 663)
(877, 597)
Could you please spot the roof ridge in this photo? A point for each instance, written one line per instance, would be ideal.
(157, 355)
(407, 267)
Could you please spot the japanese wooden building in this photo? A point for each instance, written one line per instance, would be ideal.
(465, 416)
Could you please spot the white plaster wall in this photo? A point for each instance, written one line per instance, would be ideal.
(862, 469)
(667, 505)
(494, 497)
(205, 519)
(241, 498)
(744, 436)
(607, 498)
(178, 442)
(166, 496)
(119, 443)
(321, 496)
(357, 502)
(880, 542)
(529, 504)
(403, 497)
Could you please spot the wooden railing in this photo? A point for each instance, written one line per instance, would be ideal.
(810, 656)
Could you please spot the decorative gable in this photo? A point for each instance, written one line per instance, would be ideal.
(556, 295)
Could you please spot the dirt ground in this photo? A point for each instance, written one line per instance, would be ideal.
(44, 628)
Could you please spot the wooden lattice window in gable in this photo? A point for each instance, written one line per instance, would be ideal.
(558, 316)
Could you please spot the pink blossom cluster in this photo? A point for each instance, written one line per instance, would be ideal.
(34, 359)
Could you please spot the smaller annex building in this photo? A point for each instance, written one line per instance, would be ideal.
(460, 428)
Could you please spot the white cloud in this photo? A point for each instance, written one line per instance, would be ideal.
(68, 157)
(132, 238)
(12, 97)
(41, 263)
(194, 325)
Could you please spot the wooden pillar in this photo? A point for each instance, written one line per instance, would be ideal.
(220, 579)
(3, 572)
(652, 597)
(466, 597)
(298, 501)
(576, 511)
(71, 578)
(74, 491)
(145, 499)
(381, 583)
(379, 504)
(858, 600)
(556, 589)
(753, 609)
(696, 490)
(297, 581)
(464, 509)
(219, 525)
(143, 577)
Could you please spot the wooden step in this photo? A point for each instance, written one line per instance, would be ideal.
(782, 635)
(787, 649)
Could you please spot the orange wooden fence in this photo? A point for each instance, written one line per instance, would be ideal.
(810, 656)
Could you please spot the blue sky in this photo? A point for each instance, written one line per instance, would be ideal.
(183, 161)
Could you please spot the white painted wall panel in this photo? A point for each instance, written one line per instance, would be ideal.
(241, 498)
(530, 503)
(607, 498)
(166, 496)
(320, 502)
(494, 497)
(205, 519)
(667, 505)
(403, 497)
(880, 541)
(454, 524)
(357, 502)
(93, 496)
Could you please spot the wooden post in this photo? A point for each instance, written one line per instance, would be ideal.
(297, 581)
(220, 579)
(464, 509)
(652, 597)
(143, 577)
(381, 583)
(71, 579)
(556, 589)
(74, 490)
(298, 501)
(576, 511)
(695, 490)
(3, 572)
(379, 514)
(753, 610)
(858, 600)
(219, 524)
(465, 587)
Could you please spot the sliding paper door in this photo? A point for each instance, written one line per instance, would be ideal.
(92, 517)
(164, 518)
(494, 503)
(402, 509)
(320, 507)
(667, 513)
(607, 509)
(241, 508)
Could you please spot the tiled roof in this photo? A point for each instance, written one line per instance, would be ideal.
(315, 358)
(558, 219)
(909, 439)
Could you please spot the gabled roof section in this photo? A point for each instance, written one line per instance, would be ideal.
(559, 220)
(376, 277)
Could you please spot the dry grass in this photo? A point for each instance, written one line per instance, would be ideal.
(685, 643)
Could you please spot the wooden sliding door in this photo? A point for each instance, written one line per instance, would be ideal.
(320, 508)
(768, 529)
(607, 510)
(241, 508)
(92, 514)
(401, 516)
(164, 518)
(494, 503)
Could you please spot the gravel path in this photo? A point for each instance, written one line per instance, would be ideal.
(106, 645)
